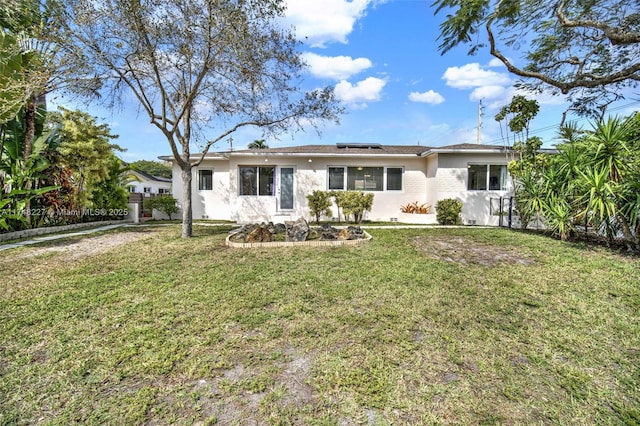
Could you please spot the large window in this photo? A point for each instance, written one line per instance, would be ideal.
(205, 180)
(256, 180)
(365, 178)
(482, 177)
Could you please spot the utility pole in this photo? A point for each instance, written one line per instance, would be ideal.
(480, 122)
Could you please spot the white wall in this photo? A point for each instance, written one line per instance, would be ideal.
(451, 182)
(206, 204)
(225, 203)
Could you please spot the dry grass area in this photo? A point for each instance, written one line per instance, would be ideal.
(420, 326)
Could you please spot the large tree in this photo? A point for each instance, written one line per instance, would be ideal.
(200, 69)
(86, 149)
(588, 50)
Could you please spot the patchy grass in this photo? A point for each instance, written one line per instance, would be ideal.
(420, 326)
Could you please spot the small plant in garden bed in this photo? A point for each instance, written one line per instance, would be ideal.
(448, 211)
(415, 208)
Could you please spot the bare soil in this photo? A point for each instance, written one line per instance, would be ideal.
(467, 251)
(88, 245)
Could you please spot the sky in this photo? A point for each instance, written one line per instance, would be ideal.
(382, 59)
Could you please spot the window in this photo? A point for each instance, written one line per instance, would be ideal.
(132, 188)
(394, 178)
(364, 178)
(205, 180)
(163, 191)
(336, 178)
(487, 176)
(147, 190)
(256, 180)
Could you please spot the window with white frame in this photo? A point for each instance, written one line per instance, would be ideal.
(483, 177)
(147, 190)
(256, 180)
(163, 191)
(364, 178)
(205, 180)
(132, 188)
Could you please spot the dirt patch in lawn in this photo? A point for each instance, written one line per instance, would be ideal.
(468, 251)
(89, 245)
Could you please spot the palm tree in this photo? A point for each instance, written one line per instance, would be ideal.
(258, 144)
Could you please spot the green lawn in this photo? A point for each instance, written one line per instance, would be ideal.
(419, 326)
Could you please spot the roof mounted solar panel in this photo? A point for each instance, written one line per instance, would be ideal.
(359, 145)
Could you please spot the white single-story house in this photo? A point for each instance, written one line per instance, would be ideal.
(144, 183)
(256, 185)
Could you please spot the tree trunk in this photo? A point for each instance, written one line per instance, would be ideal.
(626, 231)
(187, 211)
(27, 148)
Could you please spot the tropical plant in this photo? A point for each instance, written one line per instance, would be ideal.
(109, 196)
(415, 208)
(559, 217)
(19, 175)
(86, 149)
(594, 180)
(258, 144)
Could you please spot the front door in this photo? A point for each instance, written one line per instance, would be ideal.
(285, 190)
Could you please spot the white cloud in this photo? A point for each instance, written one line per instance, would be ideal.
(367, 90)
(327, 21)
(429, 97)
(489, 93)
(495, 62)
(335, 67)
(472, 75)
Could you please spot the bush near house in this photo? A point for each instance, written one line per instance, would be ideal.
(319, 204)
(355, 203)
(448, 211)
(163, 203)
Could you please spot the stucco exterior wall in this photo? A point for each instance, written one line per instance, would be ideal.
(479, 207)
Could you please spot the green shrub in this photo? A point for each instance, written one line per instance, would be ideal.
(163, 203)
(319, 204)
(448, 211)
(355, 203)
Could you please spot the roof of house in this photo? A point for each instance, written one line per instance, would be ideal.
(357, 149)
(339, 149)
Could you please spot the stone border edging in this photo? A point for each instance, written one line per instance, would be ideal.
(28, 233)
(324, 243)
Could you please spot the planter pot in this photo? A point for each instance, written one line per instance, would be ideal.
(417, 219)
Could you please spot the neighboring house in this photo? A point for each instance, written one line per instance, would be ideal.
(144, 183)
(271, 184)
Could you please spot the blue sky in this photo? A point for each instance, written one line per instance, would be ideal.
(382, 59)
